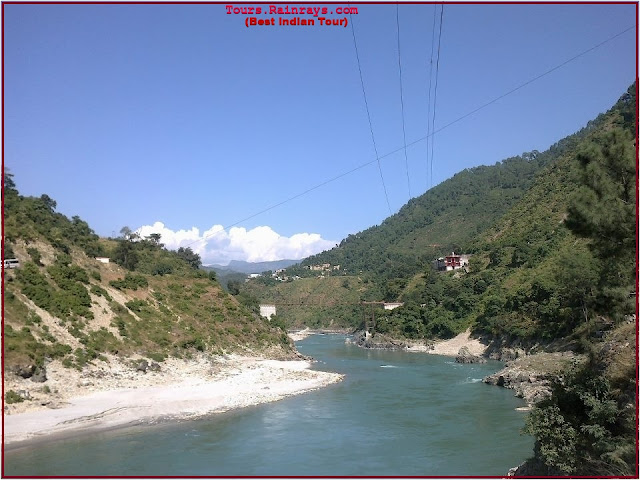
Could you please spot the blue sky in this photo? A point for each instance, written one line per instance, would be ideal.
(179, 114)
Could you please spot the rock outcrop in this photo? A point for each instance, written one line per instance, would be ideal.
(366, 340)
(39, 375)
(24, 371)
(465, 356)
(530, 376)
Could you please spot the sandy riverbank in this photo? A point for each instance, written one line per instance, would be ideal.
(451, 347)
(300, 335)
(113, 394)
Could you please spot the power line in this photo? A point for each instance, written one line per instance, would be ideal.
(435, 90)
(523, 85)
(433, 41)
(353, 32)
(364, 165)
(404, 133)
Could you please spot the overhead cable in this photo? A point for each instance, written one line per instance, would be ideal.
(388, 154)
(355, 44)
(433, 42)
(404, 133)
(435, 91)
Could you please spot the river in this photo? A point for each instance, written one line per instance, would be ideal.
(396, 413)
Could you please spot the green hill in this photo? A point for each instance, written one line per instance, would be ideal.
(63, 303)
(530, 276)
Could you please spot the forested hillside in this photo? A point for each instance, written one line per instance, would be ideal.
(62, 303)
(533, 272)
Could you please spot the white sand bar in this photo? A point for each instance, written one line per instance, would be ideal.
(451, 347)
(238, 382)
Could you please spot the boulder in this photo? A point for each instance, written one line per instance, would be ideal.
(24, 394)
(465, 356)
(154, 367)
(142, 366)
(24, 371)
(40, 375)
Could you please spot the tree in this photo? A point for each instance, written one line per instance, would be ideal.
(581, 429)
(48, 202)
(234, 287)
(189, 256)
(154, 238)
(603, 211)
(125, 232)
(9, 184)
(125, 255)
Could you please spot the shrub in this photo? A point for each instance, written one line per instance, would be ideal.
(138, 306)
(162, 268)
(98, 290)
(130, 282)
(12, 397)
(35, 256)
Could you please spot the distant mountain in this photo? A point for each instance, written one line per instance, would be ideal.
(241, 266)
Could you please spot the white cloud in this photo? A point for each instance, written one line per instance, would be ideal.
(260, 244)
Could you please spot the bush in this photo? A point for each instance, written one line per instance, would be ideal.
(138, 306)
(12, 397)
(581, 430)
(97, 290)
(130, 282)
(162, 268)
(35, 256)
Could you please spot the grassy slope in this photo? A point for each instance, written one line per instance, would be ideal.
(337, 294)
(172, 314)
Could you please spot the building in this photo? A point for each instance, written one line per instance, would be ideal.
(102, 259)
(321, 268)
(267, 311)
(452, 262)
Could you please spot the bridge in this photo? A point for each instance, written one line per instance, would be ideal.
(369, 320)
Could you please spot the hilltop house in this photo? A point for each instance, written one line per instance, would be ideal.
(452, 262)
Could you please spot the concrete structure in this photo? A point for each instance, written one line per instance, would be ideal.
(391, 306)
(103, 259)
(267, 310)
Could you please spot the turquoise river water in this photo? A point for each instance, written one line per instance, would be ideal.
(396, 413)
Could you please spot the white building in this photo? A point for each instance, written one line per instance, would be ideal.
(391, 306)
(267, 310)
(102, 259)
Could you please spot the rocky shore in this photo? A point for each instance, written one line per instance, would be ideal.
(530, 376)
(463, 345)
